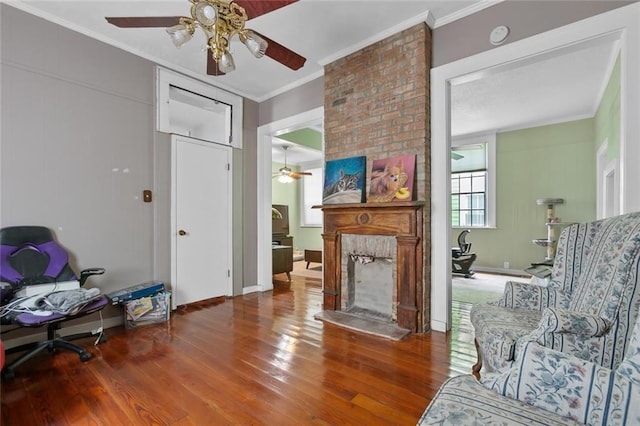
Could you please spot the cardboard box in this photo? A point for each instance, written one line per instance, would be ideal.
(147, 310)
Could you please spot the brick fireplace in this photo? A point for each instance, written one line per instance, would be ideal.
(377, 104)
(389, 235)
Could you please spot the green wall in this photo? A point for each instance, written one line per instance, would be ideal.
(607, 119)
(289, 194)
(555, 161)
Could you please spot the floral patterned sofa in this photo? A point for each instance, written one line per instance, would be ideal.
(544, 387)
(588, 308)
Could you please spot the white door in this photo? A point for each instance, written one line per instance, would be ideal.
(201, 220)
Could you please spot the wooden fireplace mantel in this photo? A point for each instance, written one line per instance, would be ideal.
(400, 219)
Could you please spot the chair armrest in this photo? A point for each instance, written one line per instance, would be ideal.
(86, 273)
(555, 320)
(531, 296)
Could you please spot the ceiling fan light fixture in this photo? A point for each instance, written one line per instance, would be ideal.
(226, 63)
(205, 13)
(180, 34)
(220, 21)
(256, 44)
(285, 179)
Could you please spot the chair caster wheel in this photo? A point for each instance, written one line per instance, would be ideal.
(85, 356)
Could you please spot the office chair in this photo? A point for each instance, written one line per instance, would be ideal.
(30, 259)
(461, 256)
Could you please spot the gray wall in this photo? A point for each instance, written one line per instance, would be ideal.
(249, 172)
(77, 145)
(301, 99)
(470, 35)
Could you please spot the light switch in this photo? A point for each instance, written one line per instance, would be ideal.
(146, 196)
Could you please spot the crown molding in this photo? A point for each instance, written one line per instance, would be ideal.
(463, 13)
(426, 18)
(289, 86)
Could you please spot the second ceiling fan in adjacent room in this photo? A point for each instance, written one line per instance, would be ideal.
(285, 174)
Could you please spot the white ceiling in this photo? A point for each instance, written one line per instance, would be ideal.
(319, 30)
(296, 154)
(565, 85)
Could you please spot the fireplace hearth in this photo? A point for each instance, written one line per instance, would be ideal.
(372, 272)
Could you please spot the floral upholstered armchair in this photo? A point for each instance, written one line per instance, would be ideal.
(544, 387)
(587, 308)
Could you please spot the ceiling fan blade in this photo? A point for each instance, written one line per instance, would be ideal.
(255, 8)
(144, 21)
(212, 65)
(298, 175)
(286, 57)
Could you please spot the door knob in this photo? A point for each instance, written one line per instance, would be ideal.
(182, 232)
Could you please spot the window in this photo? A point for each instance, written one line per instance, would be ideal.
(192, 108)
(473, 182)
(311, 196)
(468, 198)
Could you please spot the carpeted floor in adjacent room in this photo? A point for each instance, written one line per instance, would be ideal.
(482, 287)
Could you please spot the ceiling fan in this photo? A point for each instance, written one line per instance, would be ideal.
(285, 174)
(220, 20)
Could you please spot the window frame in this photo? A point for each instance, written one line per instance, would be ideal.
(311, 167)
(490, 185)
(165, 79)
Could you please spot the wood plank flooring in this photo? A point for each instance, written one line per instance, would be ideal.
(250, 360)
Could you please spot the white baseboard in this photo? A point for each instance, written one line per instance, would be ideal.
(438, 326)
(252, 289)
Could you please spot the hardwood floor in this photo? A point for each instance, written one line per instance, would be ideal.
(255, 359)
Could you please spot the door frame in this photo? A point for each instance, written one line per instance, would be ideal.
(623, 22)
(173, 218)
(265, 133)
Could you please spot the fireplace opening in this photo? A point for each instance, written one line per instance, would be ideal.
(370, 287)
(369, 276)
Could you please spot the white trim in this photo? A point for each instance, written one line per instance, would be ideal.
(626, 22)
(263, 185)
(425, 17)
(610, 173)
(166, 78)
(252, 289)
(463, 13)
(290, 86)
(601, 163)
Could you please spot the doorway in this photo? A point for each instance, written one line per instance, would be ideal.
(200, 220)
(621, 23)
(265, 134)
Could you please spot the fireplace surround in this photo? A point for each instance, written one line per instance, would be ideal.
(401, 220)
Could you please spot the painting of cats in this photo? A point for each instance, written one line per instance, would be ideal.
(344, 181)
(392, 179)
